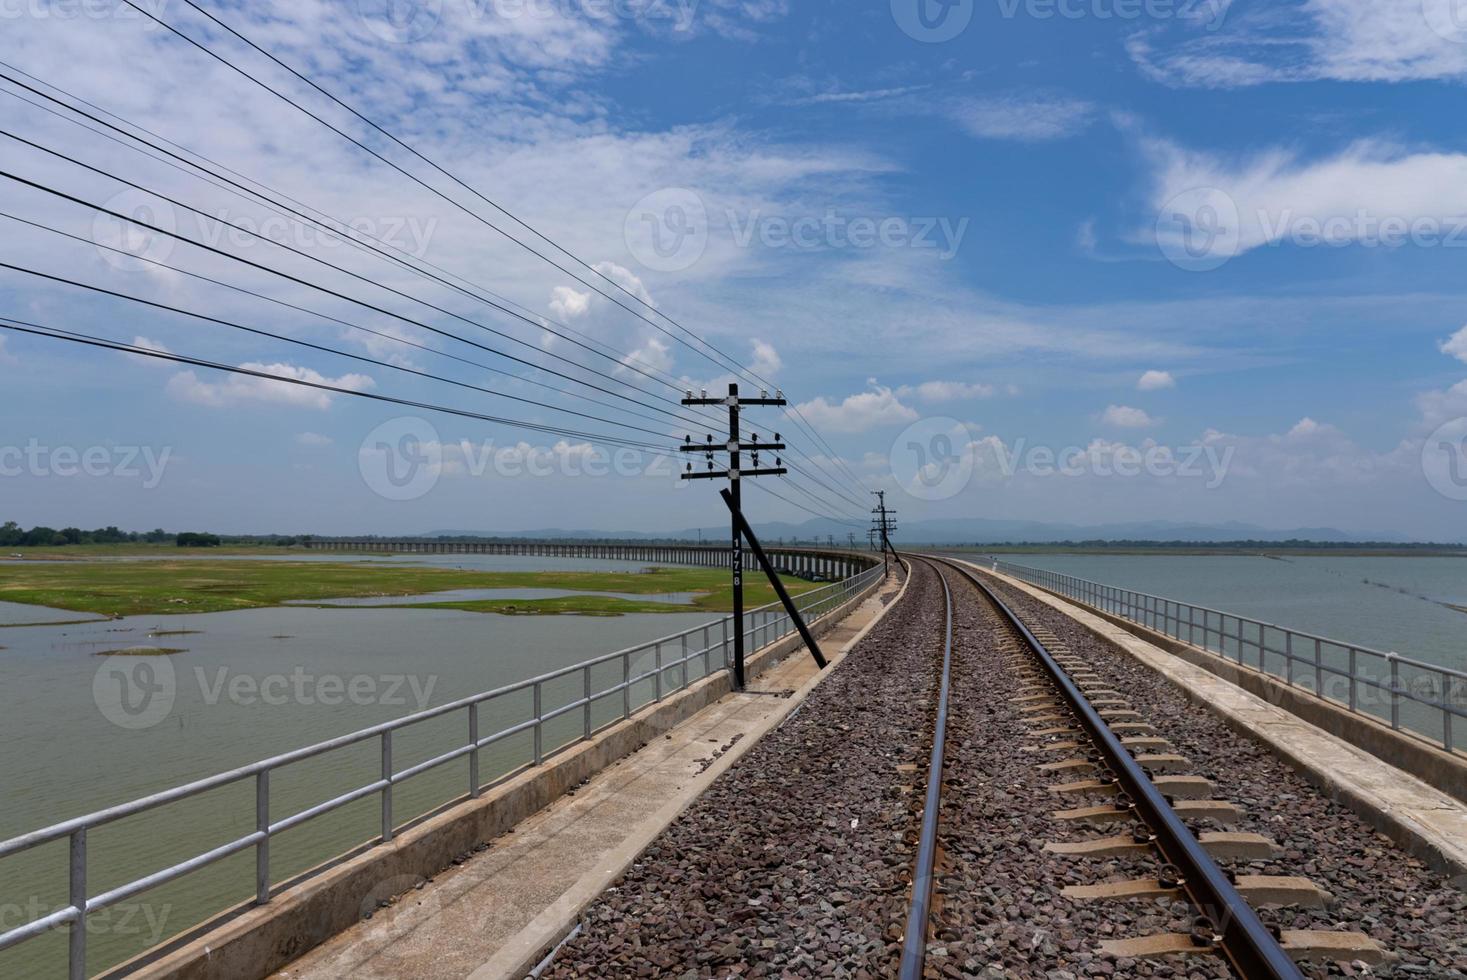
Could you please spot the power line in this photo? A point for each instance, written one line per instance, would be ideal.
(342, 296)
(622, 358)
(626, 361)
(320, 261)
(418, 180)
(331, 319)
(802, 507)
(317, 347)
(55, 333)
(732, 364)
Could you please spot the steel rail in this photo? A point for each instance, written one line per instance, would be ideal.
(1243, 939)
(1179, 620)
(914, 949)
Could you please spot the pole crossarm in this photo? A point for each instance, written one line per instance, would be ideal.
(735, 474)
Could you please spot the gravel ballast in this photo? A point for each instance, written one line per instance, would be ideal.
(797, 861)
(1410, 910)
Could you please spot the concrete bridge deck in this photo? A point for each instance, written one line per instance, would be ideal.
(495, 914)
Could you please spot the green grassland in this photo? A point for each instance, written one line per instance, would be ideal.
(160, 587)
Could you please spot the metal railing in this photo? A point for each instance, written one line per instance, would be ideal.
(708, 646)
(1415, 698)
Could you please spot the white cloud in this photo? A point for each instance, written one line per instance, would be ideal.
(626, 279)
(567, 304)
(767, 362)
(147, 344)
(653, 356)
(242, 389)
(858, 413)
(1443, 406)
(313, 440)
(1028, 118)
(1311, 40)
(947, 391)
(1156, 381)
(1371, 192)
(1125, 417)
(1456, 345)
(1305, 428)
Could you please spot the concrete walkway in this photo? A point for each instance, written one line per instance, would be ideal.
(1424, 820)
(495, 915)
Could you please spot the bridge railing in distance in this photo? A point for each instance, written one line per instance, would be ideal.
(1418, 699)
(648, 673)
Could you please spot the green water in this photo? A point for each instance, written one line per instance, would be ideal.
(249, 685)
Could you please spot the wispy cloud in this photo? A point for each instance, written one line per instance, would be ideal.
(1025, 117)
(1310, 40)
(947, 391)
(858, 413)
(1156, 381)
(1456, 345)
(1126, 417)
(1371, 191)
(238, 390)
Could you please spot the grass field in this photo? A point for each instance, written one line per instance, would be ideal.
(159, 587)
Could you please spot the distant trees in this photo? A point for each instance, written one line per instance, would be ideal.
(190, 539)
(12, 535)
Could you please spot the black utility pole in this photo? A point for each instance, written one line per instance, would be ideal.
(883, 525)
(734, 474)
(779, 589)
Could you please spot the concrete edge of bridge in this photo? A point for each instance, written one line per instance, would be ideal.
(540, 939)
(1425, 821)
(255, 941)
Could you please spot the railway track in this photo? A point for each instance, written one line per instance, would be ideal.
(1121, 793)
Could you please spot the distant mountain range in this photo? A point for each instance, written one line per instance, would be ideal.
(974, 530)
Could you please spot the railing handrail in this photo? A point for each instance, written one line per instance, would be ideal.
(1155, 608)
(153, 801)
(1343, 644)
(76, 828)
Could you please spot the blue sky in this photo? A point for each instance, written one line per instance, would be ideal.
(1220, 238)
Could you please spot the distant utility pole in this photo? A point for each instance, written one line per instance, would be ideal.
(883, 525)
(735, 475)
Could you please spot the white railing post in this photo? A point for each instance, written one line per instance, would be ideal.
(387, 789)
(77, 953)
(262, 826)
(474, 751)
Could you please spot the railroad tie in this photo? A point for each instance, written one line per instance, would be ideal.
(1178, 787)
(1155, 763)
(1303, 946)
(1259, 890)
(1221, 811)
(1220, 844)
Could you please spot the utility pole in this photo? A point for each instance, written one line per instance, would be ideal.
(883, 525)
(735, 475)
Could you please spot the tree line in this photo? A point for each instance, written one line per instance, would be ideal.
(12, 535)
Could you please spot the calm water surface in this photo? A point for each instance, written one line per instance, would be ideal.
(1398, 604)
(248, 685)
